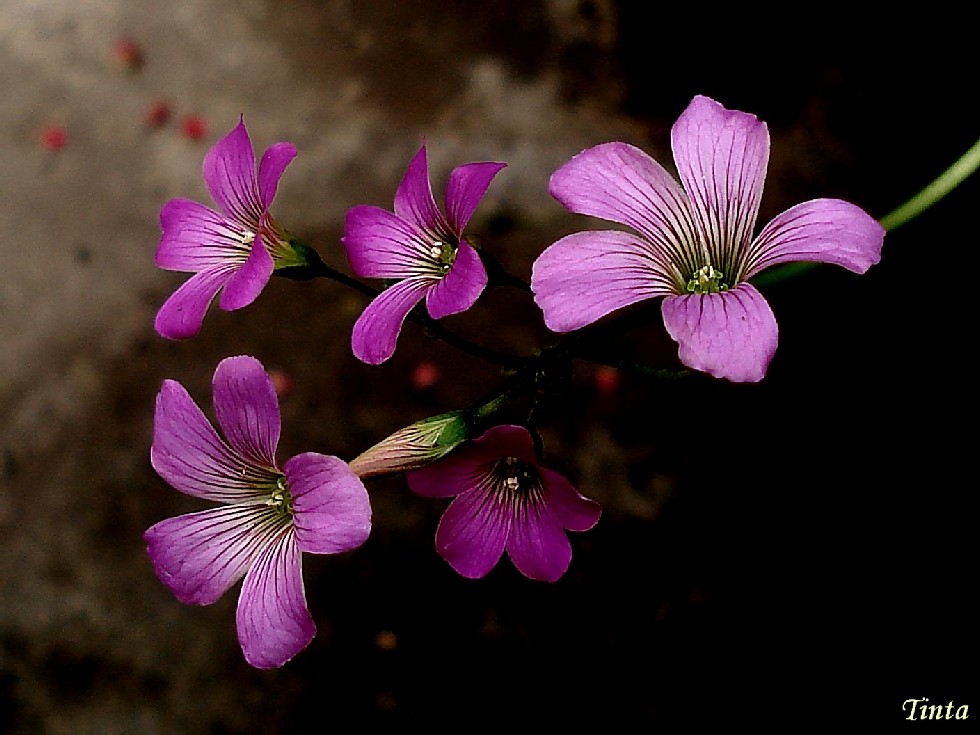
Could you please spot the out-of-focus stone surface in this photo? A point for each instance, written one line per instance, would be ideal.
(764, 525)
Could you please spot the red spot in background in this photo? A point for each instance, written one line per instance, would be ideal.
(194, 127)
(53, 138)
(606, 380)
(127, 54)
(158, 114)
(425, 375)
(282, 382)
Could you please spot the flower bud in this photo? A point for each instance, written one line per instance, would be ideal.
(414, 446)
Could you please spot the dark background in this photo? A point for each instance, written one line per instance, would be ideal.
(794, 551)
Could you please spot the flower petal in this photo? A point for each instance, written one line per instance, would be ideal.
(584, 276)
(731, 334)
(414, 201)
(274, 623)
(466, 467)
(247, 408)
(332, 512)
(462, 285)
(621, 183)
(573, 510)
(248, 280)
(273, 164)
(472, 532)
(721, 158)
(196, 238)
(467, 186)
(380, 244)
(537, 544)
(182, 314)
(190, 456)
(821, 230)
(377, 328)
(229, 173)
(200, 555)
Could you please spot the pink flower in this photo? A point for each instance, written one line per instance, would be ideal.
(233, 250)
(504, 500)
(693, 242)
(268, 517)
(421, 249)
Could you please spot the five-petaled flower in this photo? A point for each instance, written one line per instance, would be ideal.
(268, 516)
(233, 250)
(695, 244)
(504, 499)
(420, 248)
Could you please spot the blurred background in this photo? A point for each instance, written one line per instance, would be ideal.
(799, 550)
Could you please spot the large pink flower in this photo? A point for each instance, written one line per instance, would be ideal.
(268, 516)
(504, 500)
(420, 249)
(234, 249)
(693, 242)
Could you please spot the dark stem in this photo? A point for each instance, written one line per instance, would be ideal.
(316, 268)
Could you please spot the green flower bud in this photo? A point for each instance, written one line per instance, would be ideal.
(414, 446)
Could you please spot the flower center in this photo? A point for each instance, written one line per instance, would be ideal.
(247, 237)
(707, 279)
(281, 499)
(517, 476)
(444, 254)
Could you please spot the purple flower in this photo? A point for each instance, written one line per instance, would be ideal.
(504, 499)
(268, 516)
(694, 242)
(233, 250)
(421, 249)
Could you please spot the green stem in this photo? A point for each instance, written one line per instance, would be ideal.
(947, 181)
(940, 187)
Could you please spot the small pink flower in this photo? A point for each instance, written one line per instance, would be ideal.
(504, 500)
(233, 249)
(693, 242)
(421, 249)
(267, 518)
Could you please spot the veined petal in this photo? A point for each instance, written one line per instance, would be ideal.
(271, 167)
(380, 244)
(721, 157)
(537, 543)
(377, 328)
(190, 456)
(586, 275)
(731, 334)
(467, 186)
(467, 467)
(573, 510)
(473, 531)
(274, 623)
(196, 238)
(621, 183)
(200, 555)
(247, 282)
(229, 173)
(182, 314)
(247, 408)
(462, 285)
(331, 509)
(821, 230)
(414, 201)
(456, 473)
